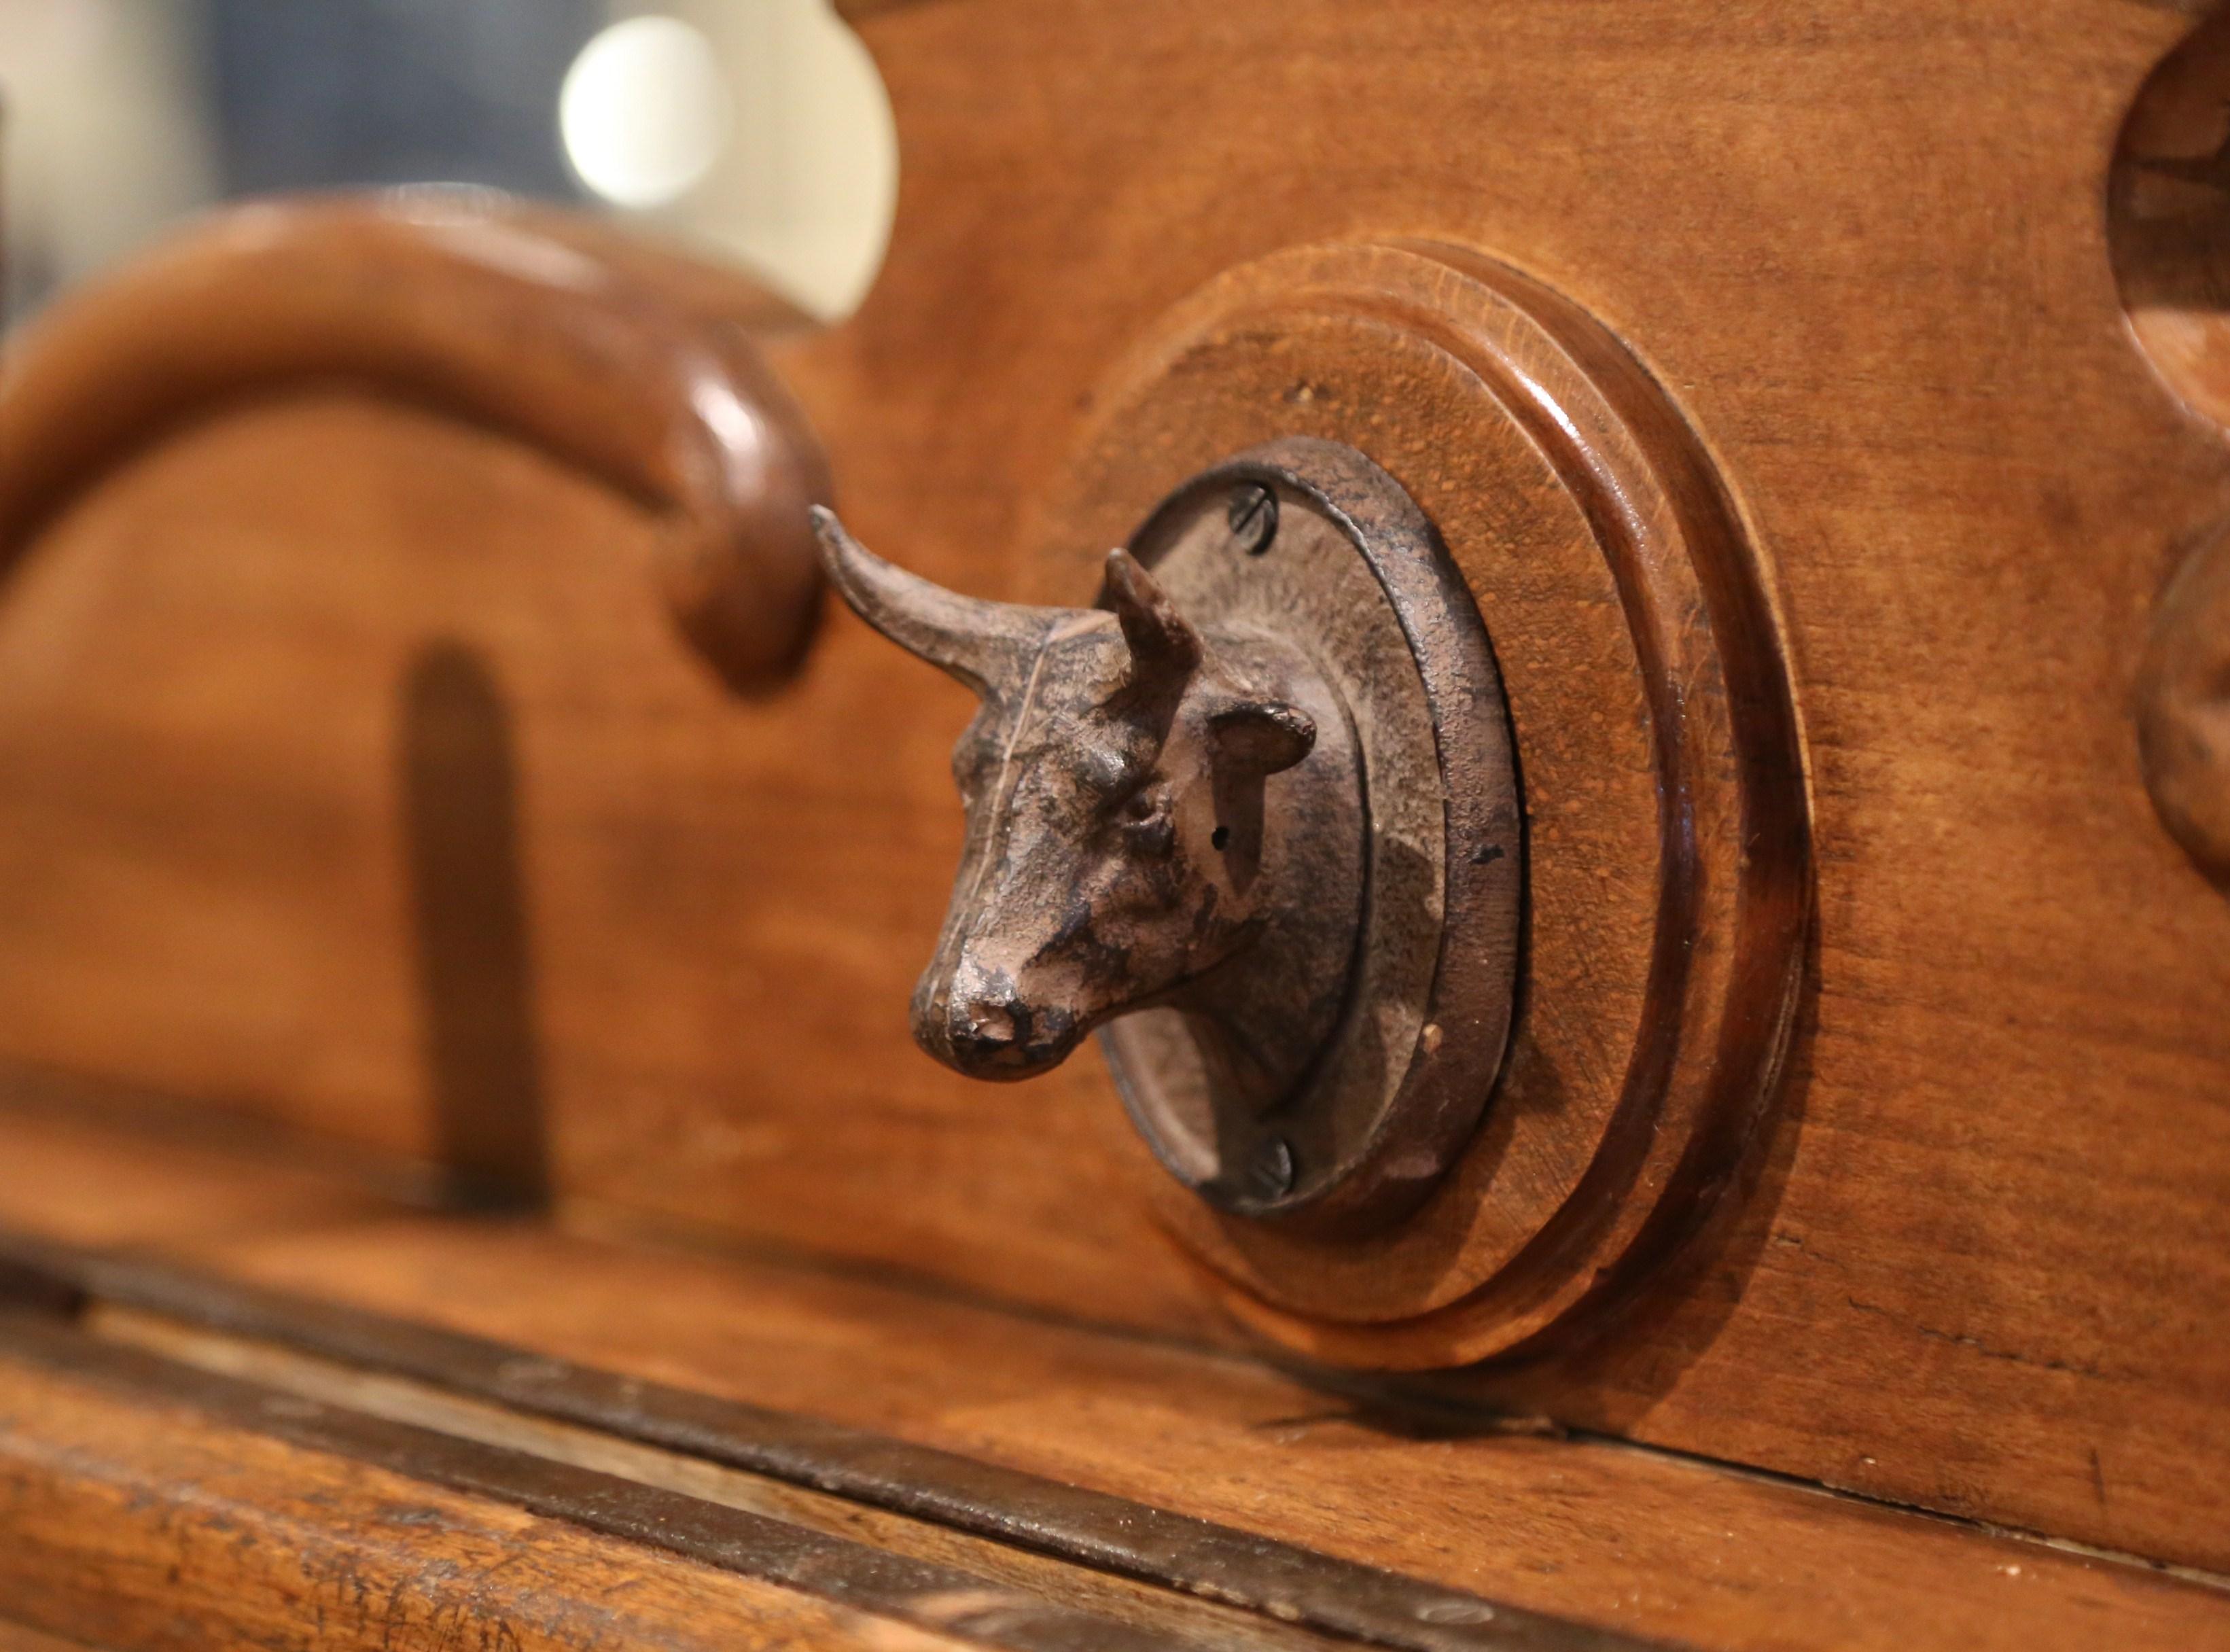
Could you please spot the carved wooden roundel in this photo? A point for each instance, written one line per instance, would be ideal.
(1668, 889)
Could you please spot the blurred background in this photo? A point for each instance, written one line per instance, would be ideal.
(753, 131)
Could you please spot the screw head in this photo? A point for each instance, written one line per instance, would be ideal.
(1252, 515)
(1270, 1172)
(1455, 1611)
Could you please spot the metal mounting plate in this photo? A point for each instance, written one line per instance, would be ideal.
(1343, 566)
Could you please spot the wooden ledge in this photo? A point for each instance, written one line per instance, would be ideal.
(144, 1512)
(1618, 1537)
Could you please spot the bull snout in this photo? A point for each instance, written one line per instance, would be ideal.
(981, 1025)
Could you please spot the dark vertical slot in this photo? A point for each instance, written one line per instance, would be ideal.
(461, 823)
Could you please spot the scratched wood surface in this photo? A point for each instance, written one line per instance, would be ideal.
(14, 1638)
(1630, 1538)
(1167, 1616)
(1980, 1261)
(133, 1522)
(159, 1188)
(1608, 1533)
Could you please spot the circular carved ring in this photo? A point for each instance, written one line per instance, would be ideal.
(1668, 888)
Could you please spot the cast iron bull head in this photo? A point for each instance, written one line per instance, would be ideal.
(1155, 817)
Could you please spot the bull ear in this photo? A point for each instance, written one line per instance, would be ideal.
(1162, 641)
(1262, 735)
(987, 645)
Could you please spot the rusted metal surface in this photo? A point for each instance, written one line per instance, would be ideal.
(1125, 846)
(1352, 571)
(1257, 816)
(1094, 1529)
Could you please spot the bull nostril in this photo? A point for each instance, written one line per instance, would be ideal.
(994, 1032)
(986, 1023)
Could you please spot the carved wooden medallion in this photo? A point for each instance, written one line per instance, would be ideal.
(1667, 877)
(1256, 817)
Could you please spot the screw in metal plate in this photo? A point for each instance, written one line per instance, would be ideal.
(1270, 1173)
(1456, 1611)
(1252, 515)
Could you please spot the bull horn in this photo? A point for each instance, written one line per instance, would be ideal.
(1162, 641)
(985, 644)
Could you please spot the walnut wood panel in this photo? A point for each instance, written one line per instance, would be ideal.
(208, 883)
(74, 1177)
(133, 1522)
(14, 1638)
(208, 886)
(1979, 1264)
(1621, 1537)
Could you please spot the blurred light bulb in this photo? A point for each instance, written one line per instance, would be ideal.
(643, 111)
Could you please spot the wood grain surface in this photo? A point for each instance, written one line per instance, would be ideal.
(14, 1638)
(1167, 1616)
(1508, 1506)
(90, 1167)
(1643, 1541)
(1980, 1262)
(134, 1522)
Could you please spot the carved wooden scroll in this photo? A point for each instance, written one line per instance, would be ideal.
(631, 365)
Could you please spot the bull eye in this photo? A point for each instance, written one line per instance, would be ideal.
(1220, 838)
(1143, 821)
